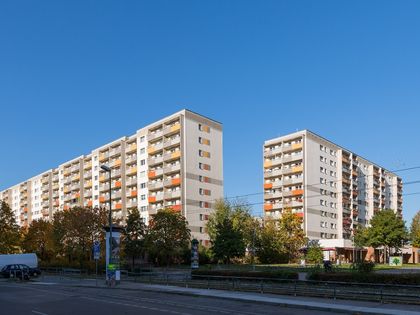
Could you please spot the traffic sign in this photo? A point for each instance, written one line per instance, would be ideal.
(96, 250)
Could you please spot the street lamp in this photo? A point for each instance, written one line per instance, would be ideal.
(108, 170)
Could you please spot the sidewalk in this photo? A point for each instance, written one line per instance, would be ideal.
(335, 306)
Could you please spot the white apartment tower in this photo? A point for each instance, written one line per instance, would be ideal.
(176, 163)
(331, 188)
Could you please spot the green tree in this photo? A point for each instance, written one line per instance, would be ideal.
(415, 230)
(386, 229)
(291, 233)
(39, 239)
(134, 236)
(9, 230)
(269, 248)
(231, 230)
(75, 230)
(314, 252)
(168, 236)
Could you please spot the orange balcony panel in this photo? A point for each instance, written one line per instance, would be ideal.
(176, 208)
(133, 193)
(296, 169)
(268, 185)
(176, 181)
(65, 207)
(267, 164)
(118, 206)
(77, 195)
(89, 203)
(117, 163)
(117, 184)
(296, 146)
(152, 199)
(300, 214)
(102, 199)
(151, 149)
(175, 127)
(268, 207)
(176, 154)
(25, 209)
(151, 174)
(297, 192)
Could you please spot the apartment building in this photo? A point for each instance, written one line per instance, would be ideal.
(176, 163)
(333, 189)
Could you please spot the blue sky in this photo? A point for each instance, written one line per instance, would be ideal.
(77, 74)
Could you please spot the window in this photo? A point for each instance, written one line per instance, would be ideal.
(143, 162)
(143, 208)
(96, 177)
(203, 141)
(204, 128)
(143, 185)
(96, 187)
(204, 204)
(203, 153)
(142, 174)
(96, 197)
(143, 197)
(142, 150)
(142, 139)
(203, 166)
(205, 192)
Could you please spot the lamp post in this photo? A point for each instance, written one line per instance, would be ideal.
(108, 170)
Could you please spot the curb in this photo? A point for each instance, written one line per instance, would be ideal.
(343, 309)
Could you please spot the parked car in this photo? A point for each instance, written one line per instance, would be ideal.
(16, 271)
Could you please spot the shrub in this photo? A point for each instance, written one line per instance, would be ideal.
(364, 266)
(250, 274)
(376, 278)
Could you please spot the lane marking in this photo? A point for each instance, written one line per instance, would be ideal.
(39, 313)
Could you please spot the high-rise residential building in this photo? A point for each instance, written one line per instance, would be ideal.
(176, 163)
(333, 189)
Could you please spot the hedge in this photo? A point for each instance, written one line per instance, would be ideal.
(376, 278)
(250, 274)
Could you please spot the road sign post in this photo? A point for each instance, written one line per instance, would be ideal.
(96, 256)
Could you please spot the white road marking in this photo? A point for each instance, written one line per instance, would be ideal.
(39, 313)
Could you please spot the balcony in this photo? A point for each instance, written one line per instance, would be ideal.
(75, 177)
(268, 164)
(155, 148)
(268, 207)
(172, 181)
(172, 156)
(172, 168)
(130, 159)
(173, 194)
(115, 163)
(45, 196)
(115, 173)
(155, 173)
(116, 195)
(155, 185)
(131, 182)
(175, 208)
(154, 161)
(293, 157)
(272, 152)
(132, 170)
(268, 185)
(274, 173)
(87, 175)
(156, 198)
(132, 194)
(131, 147)
(346, 181)
(297, 192)
(87, 165)
(275, 195)
(115, 152)
(172, 129)
(88, 184)
(287, 182)
(171, 142)
(154, 135)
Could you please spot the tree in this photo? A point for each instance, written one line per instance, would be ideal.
(269, 247)
(291, 233)
(39, 239)
(134, 236)
(314, 252)
(231, 230)
(415, 230)
(386, 229)
(75, 230)
(9, 230)
(168, 236)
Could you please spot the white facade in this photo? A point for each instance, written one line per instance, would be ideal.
(331, 188)
(176, 163)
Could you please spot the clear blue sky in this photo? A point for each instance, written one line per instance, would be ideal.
(77, 74)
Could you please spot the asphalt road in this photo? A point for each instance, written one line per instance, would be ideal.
(43, 299)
